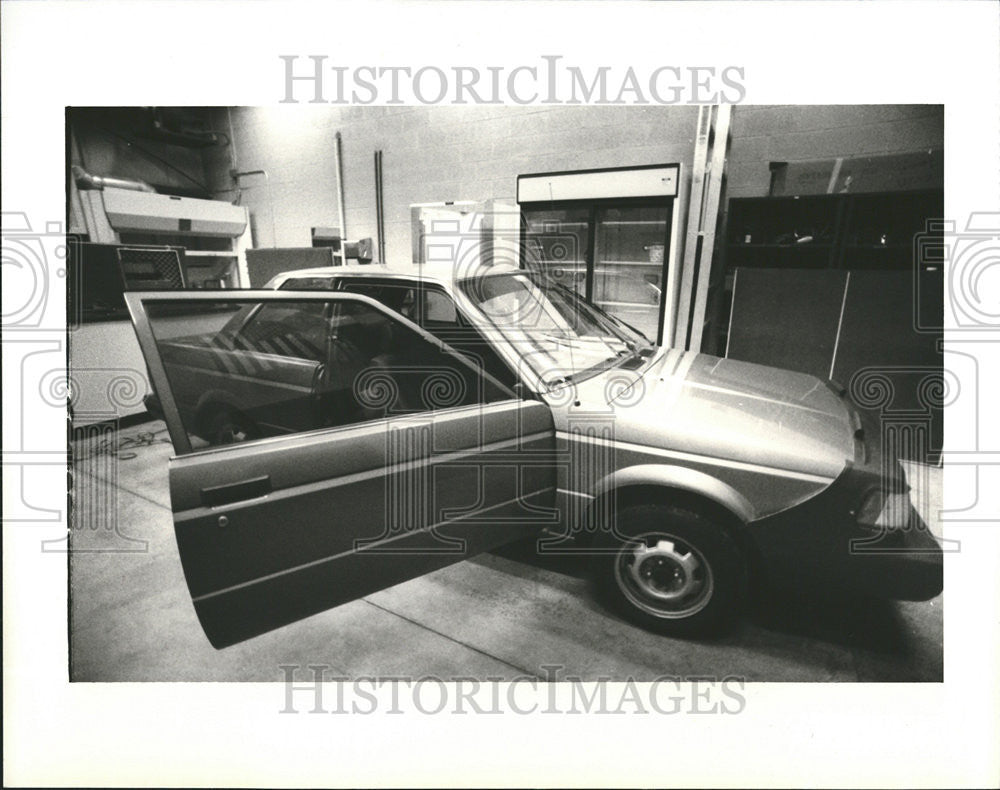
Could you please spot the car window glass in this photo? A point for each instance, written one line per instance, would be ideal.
(307, 284)
(398, 297)
(439, 308)
(289, 330)
(440, 317)
(240, 371)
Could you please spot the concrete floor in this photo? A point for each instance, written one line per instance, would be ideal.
(501, 615)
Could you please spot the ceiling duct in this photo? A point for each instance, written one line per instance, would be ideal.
(85, 180)
(176, 127)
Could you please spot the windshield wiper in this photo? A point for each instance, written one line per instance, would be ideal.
(567, 379)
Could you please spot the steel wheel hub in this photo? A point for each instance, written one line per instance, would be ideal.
(663, 572)
(664, 576)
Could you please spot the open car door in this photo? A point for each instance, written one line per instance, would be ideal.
(326, 448)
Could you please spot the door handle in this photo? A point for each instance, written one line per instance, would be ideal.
(236, 492)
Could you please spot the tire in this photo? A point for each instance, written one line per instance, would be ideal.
(672, 570)
(228, 426)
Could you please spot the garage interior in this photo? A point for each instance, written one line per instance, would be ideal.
(797, 236)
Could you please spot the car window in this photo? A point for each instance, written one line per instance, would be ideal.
(295, 330)
(294, 366)
(434, 310)
(307, 284)
(439, 308)
(398, 297)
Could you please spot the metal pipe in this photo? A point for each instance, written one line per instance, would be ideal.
(232, 153)
(232, 138)
(237, 174)
(379, 208)
(85, 180)
(340, 197)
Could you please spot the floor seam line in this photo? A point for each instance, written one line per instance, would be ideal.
(94, 476)
(450, 638)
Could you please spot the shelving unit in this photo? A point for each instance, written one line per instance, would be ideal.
(209, 261)
(213, 234)
(879, 228)
(786, 232)
(847, 231)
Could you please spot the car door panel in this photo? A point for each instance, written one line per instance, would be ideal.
(373, 491)
(281, 528)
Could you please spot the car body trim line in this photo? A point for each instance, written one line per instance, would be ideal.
(369, 474)
(363, 428)
(702, 459)
(569, 492)
(370, 547)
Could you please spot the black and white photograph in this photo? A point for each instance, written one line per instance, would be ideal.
(658, 424)
(406, 382)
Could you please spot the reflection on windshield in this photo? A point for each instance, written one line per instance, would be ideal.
(559, 335)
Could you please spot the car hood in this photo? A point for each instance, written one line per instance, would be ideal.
(725, 409)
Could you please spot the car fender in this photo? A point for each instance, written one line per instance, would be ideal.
(678, 478)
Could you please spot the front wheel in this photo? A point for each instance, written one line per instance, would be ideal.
(672, 570)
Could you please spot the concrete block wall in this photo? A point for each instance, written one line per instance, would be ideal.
(431, 154)
(761, 134)
(436, 154)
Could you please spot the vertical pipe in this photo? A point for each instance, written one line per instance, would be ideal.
(378, 236)
(340, 198)
(234, 167)
(379, 208)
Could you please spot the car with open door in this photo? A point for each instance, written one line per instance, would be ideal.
(376, 425)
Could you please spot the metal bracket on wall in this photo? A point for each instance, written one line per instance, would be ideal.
(711, 147)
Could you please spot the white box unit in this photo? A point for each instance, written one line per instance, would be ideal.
(128, 210)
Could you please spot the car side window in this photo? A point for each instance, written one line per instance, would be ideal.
(434, 310)
(400, 371)
(438, 308)
(398, 297)
(244, 371)
(307, 284)
(295, 330)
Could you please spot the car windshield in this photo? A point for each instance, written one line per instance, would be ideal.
(556, 332)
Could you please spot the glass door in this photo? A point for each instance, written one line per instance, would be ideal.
(629, 273)
(557, 242)
(611, 252)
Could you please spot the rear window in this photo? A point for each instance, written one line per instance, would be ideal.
(307, 284)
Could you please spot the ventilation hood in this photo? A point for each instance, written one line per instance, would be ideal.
(128, 210)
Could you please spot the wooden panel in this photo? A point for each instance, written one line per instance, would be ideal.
(786, 318)
(878, 334)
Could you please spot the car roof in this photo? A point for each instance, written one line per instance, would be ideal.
(442, 273)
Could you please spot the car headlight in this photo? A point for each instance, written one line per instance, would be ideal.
(885, 510)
